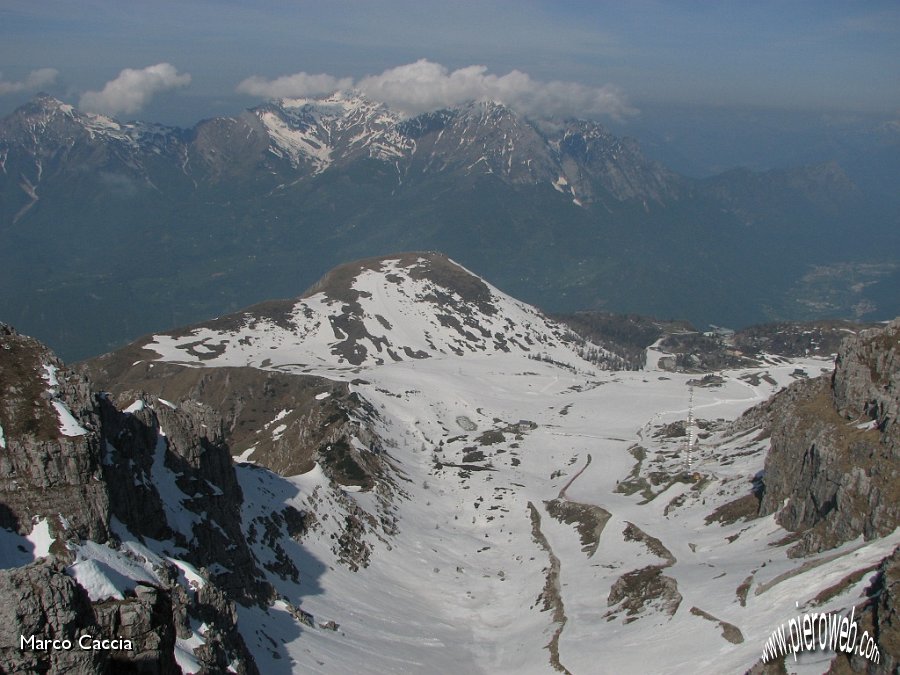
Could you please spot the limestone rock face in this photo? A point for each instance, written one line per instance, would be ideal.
(832, 470)
(316, 418)
(867, 379)
(146, 621)
(40, 600)
(49, 452)
(159, 443)
(71, 458)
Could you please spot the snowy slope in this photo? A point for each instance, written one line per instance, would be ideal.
(462, 586)
(414, 306)
(536, 514)
(338, 127)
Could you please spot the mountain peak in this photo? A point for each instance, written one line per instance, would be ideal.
(52, 117)
(431, 265)
(369, 313)
(344, 125)
(44, 105)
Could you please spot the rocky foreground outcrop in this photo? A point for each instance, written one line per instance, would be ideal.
(44, 470)
(831, 474)
(75, 473)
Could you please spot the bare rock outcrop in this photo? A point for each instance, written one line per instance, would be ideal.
(71, 458)
(47, 467)
(159, 444)
(832, 470)
(41, 601)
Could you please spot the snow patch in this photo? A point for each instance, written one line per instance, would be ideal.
(137, 406)
(68, 425)
(184, 650)
(189, 576)
(178, 516)
(40, 538)
(106, 573)
(245, 455)
(50, 375)
(295, 144)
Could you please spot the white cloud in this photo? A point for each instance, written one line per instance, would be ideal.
(426, 85)
(299, 85)
(35, 80)
(132, 89)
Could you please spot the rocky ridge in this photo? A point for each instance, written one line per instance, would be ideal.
(831, 473)
(81, 479)
(126, 516)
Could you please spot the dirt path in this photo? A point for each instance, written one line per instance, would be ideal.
(551, 593)
(562, 492)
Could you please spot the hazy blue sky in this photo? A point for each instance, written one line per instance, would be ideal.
(619, 57)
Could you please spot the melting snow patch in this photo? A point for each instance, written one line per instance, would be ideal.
(99, 580)
(280, 416)
(2, 439)
(178, 517)
(323, 395)
(50, 375)
(68, 425)
(106, 573)
(184, 650)
(245, 455)
(135, 407)
(189, 577)
(167, 403)
(40, 538)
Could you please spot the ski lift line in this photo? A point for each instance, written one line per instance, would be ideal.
(690, 430)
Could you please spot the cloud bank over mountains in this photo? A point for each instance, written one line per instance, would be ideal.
(425, 85)
(35, 80)
(409, 89)
(133, 89)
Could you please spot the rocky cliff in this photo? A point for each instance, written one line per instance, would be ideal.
(49, 448)
(831, 474)
(285, 422)
(100, 500)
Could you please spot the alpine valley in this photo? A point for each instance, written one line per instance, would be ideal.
(105, 225)
(406, 470)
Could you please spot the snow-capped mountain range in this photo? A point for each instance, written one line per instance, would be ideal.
(468, 494)
(558, 212)
(297, 137)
